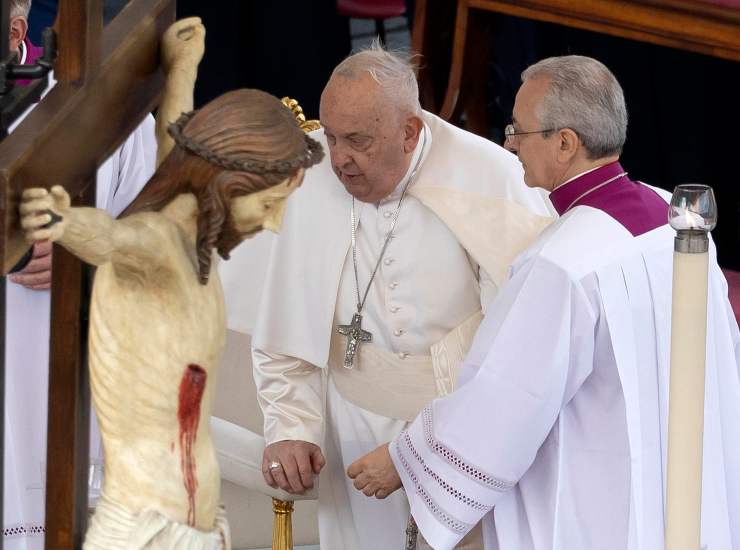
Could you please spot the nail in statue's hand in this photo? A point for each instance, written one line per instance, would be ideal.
(43, 213)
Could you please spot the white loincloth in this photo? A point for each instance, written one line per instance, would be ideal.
(112, 527)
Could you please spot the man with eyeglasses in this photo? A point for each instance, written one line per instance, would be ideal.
(557, 435)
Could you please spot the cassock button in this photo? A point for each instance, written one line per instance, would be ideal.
(399, 332)
(388, 261)
(393, 285)
(387, 214)
(394, 309)
(403, 354)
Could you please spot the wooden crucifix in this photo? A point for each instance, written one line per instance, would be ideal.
(107, 81)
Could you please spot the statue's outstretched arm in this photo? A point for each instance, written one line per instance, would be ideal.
(91, 234)
(183, 45)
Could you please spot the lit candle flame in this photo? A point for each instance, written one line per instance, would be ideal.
(693, 219)
(688, 220)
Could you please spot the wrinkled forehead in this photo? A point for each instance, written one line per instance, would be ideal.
(355, 104)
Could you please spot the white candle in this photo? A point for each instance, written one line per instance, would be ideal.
(686, 400)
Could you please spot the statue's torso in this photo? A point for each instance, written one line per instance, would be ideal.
(156, 338)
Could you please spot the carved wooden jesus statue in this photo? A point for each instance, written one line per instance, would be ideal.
(157, 324)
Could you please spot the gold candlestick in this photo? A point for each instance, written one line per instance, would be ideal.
(282, 531)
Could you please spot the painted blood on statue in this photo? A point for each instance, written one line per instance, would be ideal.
(188, 414)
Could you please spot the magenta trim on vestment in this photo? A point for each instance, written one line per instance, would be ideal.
(634, 205)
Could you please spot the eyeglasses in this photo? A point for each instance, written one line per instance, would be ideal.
(510, 132)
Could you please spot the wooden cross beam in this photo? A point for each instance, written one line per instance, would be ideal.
(107, 81)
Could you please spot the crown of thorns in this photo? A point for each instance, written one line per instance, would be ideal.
(313, 154)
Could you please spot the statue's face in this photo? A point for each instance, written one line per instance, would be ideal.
(263, 209)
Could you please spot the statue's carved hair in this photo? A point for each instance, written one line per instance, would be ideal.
(240, 143)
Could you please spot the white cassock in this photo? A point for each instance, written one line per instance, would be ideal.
(560, 421)
(119, 180)
(437, 272)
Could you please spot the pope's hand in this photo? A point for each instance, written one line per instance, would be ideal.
(43, 213)
(292, 465)
(375, 474)
(183, 44)
(37, 274)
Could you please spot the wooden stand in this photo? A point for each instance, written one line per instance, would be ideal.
(687, 25)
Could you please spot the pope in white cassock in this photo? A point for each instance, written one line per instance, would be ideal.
(119, 180)
(557, 436)
(375, 286)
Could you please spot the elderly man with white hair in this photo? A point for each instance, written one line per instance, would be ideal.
(376, 283)
(557, 436)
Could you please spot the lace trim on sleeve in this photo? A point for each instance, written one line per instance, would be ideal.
(455, 460)
(462, 497)
(453, 524)
(23, 530)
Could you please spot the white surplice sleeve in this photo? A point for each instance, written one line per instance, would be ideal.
(290, 393)
(122, 175)
(466, 450)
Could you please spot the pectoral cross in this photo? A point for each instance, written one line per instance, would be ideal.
(412, 534)
(355, 335)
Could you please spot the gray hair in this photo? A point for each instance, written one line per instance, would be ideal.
(584, 96)
(394, 71)
(20, 8)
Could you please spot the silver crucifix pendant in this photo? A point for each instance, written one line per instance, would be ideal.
(412, 534)
(355, 335)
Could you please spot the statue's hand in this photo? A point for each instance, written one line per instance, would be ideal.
(183, 45)
(44, 213)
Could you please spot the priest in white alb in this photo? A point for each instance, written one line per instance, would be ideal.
(557, 435)
(375, 286)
